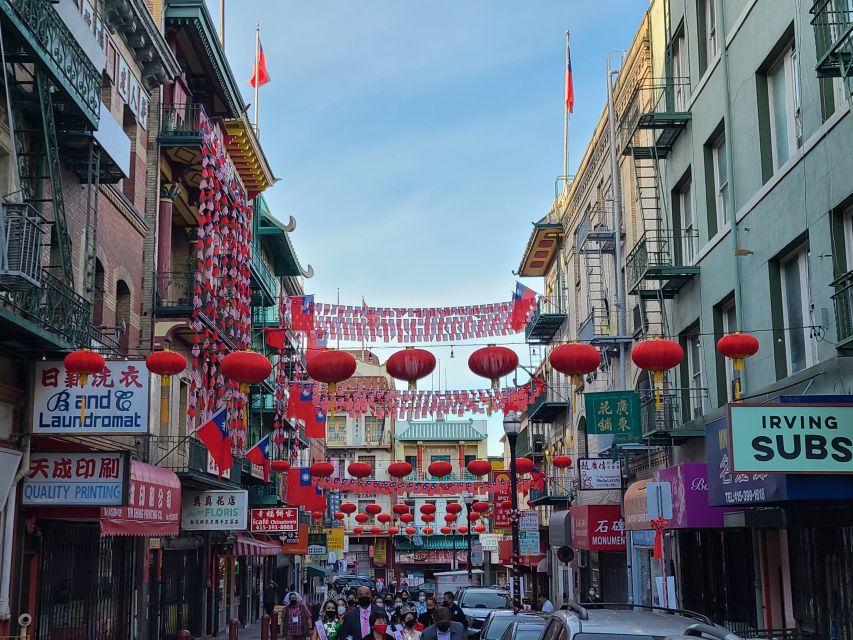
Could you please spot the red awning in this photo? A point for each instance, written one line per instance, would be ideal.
(153, 504)
(246, 546)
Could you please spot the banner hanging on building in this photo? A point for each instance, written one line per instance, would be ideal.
(500, 495)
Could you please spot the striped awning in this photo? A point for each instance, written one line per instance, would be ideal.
(246, 546)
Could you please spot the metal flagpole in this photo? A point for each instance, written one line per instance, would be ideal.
(222, 23)
(566, 121)
(257, 70)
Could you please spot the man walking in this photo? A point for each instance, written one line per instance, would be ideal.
(356, 623)
(444, 628)
(456, 613)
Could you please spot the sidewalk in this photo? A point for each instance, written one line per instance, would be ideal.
(249, 632)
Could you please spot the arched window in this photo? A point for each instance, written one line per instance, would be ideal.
(123, 312)
(100, 290)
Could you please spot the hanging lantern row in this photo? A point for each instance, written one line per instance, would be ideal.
(493, 362)
(410, 365)
(479, 468)
(399, 469)
(359, 469)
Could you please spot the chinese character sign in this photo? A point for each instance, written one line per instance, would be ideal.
(116, 399)
(599, 474)
(614, 413)
(91, 479)
(274, 520)
(215, 510)
(499, 496)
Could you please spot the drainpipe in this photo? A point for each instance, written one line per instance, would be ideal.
(9, 535)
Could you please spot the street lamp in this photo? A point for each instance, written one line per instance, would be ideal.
(468, 499)
(512, 426)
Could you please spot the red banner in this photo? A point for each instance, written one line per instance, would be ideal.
(277, 520)
(502, 493)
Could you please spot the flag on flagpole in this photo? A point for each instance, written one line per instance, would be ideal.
(214, 435)
(302, 490)
(260, 75)
(260, 455)
(570, 86)
(523, 300)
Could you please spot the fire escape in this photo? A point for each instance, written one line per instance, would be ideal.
(833, 29)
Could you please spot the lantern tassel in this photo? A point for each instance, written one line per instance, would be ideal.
(657, 376)
(165, 385)
(244, 389)
(84, 378)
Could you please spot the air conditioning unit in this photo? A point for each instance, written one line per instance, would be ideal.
(537, 446)
(640, 323)
(21, 233)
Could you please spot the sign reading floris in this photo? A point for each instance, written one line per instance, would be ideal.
(791, 438)
(614, 413)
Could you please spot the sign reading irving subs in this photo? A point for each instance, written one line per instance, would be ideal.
(791, 438)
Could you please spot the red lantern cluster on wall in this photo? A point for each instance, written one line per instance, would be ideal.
(440, 469)
(493, 362)
(479, 468)
(410, 365)
(575, 359)
(399, 469)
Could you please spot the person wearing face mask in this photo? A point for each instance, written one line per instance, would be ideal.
(410, 629)
(356, 623)
(427, 618)
(456, 613)
(379, 628)
(297, 618)
(342, 608)
(420, 605)
(444, 628)
(328, 624)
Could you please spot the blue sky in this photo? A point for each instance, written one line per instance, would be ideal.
(417, 141)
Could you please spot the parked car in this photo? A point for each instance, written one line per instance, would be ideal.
(525, 630)
(342, 584)
(499, 620)
(427, 587)
(477, 602)
(630, 622)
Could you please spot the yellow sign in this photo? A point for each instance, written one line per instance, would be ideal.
(334, 540)
(380, 553)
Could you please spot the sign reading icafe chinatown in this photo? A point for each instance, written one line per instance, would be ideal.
(276, 520)
(116, 399)
(791, 438)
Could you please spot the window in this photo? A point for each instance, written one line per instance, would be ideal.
(336, 430)
(689, 235)
(721, 179)
(123, 314)
(729, 314)
(680, 72)
(711, 28)
(371, 460)
(847, 218)
(413, 460)
(373, 429)
(694, 374)
(797, 311)
(783, 108)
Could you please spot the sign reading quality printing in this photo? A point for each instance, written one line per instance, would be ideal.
(91, 479)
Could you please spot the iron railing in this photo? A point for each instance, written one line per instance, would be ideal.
(670, 411)
(843, 299)
(173, 290)
(264, 277)
(54, 307)
(659, 250)
(184, 454)
(21, 231)
(833, 31)
(600, 322)
(661, 96)
(59, 50)
(181, 120)
(595, 223)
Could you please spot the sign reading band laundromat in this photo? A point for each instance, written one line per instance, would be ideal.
(791, 438)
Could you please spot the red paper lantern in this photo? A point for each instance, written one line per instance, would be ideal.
(393, 531)
(166, 363)
(406, 518)
(479, 468)
(428, 531)
(400, 509)
(449, 517)
(280, 466)
(481, 506)
(331, 366)
(373, 509)
(506, 504)
(473, 516)
(246, 367)
(376, 530)
(427, 508)
(361, 518)
(322, 469)
(316, 514)
(493, 362)
(358, 530)
(657, 355)
(440, 469)
(275, 337)
(349, 507)
(561, 462)
(384, 518)
(410, 531)
(738, 346)
(427, 517)
(479, 528)
(84, 363)
(453, 507)
(339, 515)
(524, 465)
(399, 469)
(359, 469)
(410, 365)
(462, 529)
(446, 530)
(575, 359)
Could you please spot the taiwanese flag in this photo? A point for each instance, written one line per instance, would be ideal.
(302, 490)
(302, 313)
(300, 405)
(214, 435)
(315, 426)
(523, 300)
(318, 340)
(260, 455)
(570, 85)
(260, 76)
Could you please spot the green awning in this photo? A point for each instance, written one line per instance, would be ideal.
(314, 571)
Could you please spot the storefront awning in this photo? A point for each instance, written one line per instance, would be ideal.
(636, 509)
(246, 546)
(153, 504)
(314, 571)
(560, 529)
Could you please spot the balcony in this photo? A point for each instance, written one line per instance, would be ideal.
(264, 289)
(43, 35)
(654, 117)
(545, 323)
(530, 444)
(266, 494)
(843, 299)
(180, 125)
(662, 425)
(50, 317)
(553, 403)
(189, 458)
(595, 230)
(661, 257)
(833, 31)
(599, 329)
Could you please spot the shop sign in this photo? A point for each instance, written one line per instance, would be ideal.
(690, 508)
(278, 520)
(295, 543)
(725, 487)
(380, 552)
(153, 504)
(215, 510)
(636, 506)
(598, 527)
(316, 550)
(116, 399)
(791, 438)
(614, 413)
(490, 541)
(529, 521)
(335, 540)
(599, 474)
(528, 543)
(476, 554)
(131, 91)
(77, 479)
(501, 493)
(437, 557)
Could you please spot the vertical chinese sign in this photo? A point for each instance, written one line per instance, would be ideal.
(614, 413)
(500, 495)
